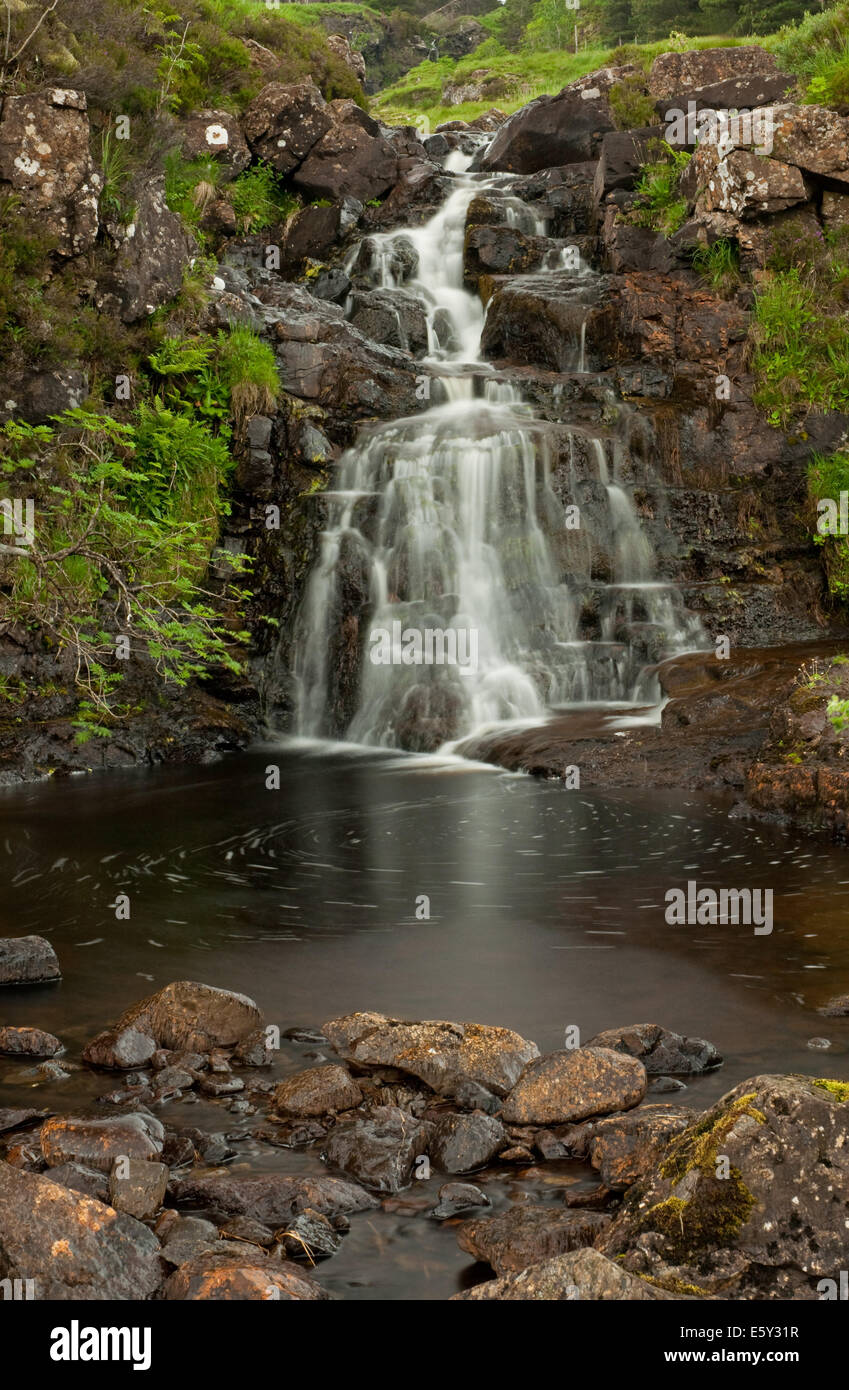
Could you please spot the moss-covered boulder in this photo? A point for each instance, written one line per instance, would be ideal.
(750, 1201)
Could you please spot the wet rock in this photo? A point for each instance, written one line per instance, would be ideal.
(623, 1147)
(471, 1096)
(751, 1199)
(318, 1091)
(28, 1042)
(542, 320)
(381, 1150)
(182, 1015)
(97, 1142)
(73, 1247)
(78, 1178)
(458, 1197)
(310, 1236)
(460, 1143)
(216, 135)
(27, 960)
(224, 1276)
(838, 1007)
(148, 268)
(818, 1044)
(671, 73)
(137, 1187)
(245, 1228)
(527, 1234)
(392, 317)
(332, 285)
(443, 1055)
(665, 1085)
(272, 1198)
(12, 1118)
(186, 1238)
(554, 130)
(660, 1050)
(567, 1086)
(221, 1085)
(45, 162)
(283, 123)
(582, 1275)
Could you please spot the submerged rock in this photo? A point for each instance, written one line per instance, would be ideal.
(527, 1233)
(566, 1086)
(272, 1198)
(28, 1042)
(27, 960)
(73, 1247)
(457, 1197)
(659, 1050)
(380, 1151)
(443, 1055)
(460, 1143)
(95, 1142)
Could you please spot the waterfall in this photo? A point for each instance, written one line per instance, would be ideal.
(446, 529)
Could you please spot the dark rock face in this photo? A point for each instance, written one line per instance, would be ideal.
(148, 268)
(460, 1143)
(45, 161)
(528, 1234)
(36, 396)
(660, 1050)
(27, 960)
(566, 1086)
(392, 317)
(348, 161)
(563, 129)
(379, 1151)
(623, 1147)
(73, 1247)
(182, 1015)
(582, 1275)
(96, 1143)
(319, 1091)
(138, 1188)
(240, 1276)
(216, 135)
(679, 72)
(751, 1200)
(443, 1055)
(272, 1197)
(282, 124)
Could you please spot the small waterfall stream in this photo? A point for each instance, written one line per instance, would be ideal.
(451, 521)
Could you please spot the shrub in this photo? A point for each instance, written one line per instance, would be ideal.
(258, 200)
(719, 266)
(659, 204)
(247, 368)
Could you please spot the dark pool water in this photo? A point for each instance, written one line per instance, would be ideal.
(547, 910)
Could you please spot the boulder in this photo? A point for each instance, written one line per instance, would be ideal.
(96, 1143)
(528, 1233)
(73, 1247)
(381, 1150)
(138, 1188)
(622, 1147)
(35, 396)
(271, 1197)
(732, 94)
(181, 1015)
(45, 161)
(318, 1091)
(216, 134)
(154, 252)
(350, 160)
(78, 1178)
(213, 1276)
(671, 73)
(660, 1050)
(311, 1235)
(460, 1143)
(814, 138)
(443, 1055)
(552, 130)
(541, 320)
(621, 157)
(581, 1275)
(283, 123)
(752, 1199)
(394, 318)
(339, 44)
(563, 1087)
(743, 183)
(28, 1042)
(458, 1197)
(26, 960)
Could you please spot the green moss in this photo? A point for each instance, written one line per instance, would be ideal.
(838, 1089)
(673, 1285)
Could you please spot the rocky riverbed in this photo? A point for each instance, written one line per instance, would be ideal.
(616, 1188)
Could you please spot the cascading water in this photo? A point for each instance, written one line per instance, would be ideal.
(451, 520)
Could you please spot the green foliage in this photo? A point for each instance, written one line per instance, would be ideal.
(258, 199)
(631, 104)
(115, 168)
(828, 476)
(838, 713)
(659, 203)
(800, 345)
(189, 184)
(719, 266)
(816, 49)
(248, 371)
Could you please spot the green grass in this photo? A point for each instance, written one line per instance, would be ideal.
(828, 476)
(659, 204)
(719, 267)
(817, 50)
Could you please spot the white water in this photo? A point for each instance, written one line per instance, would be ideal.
(451, 517)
